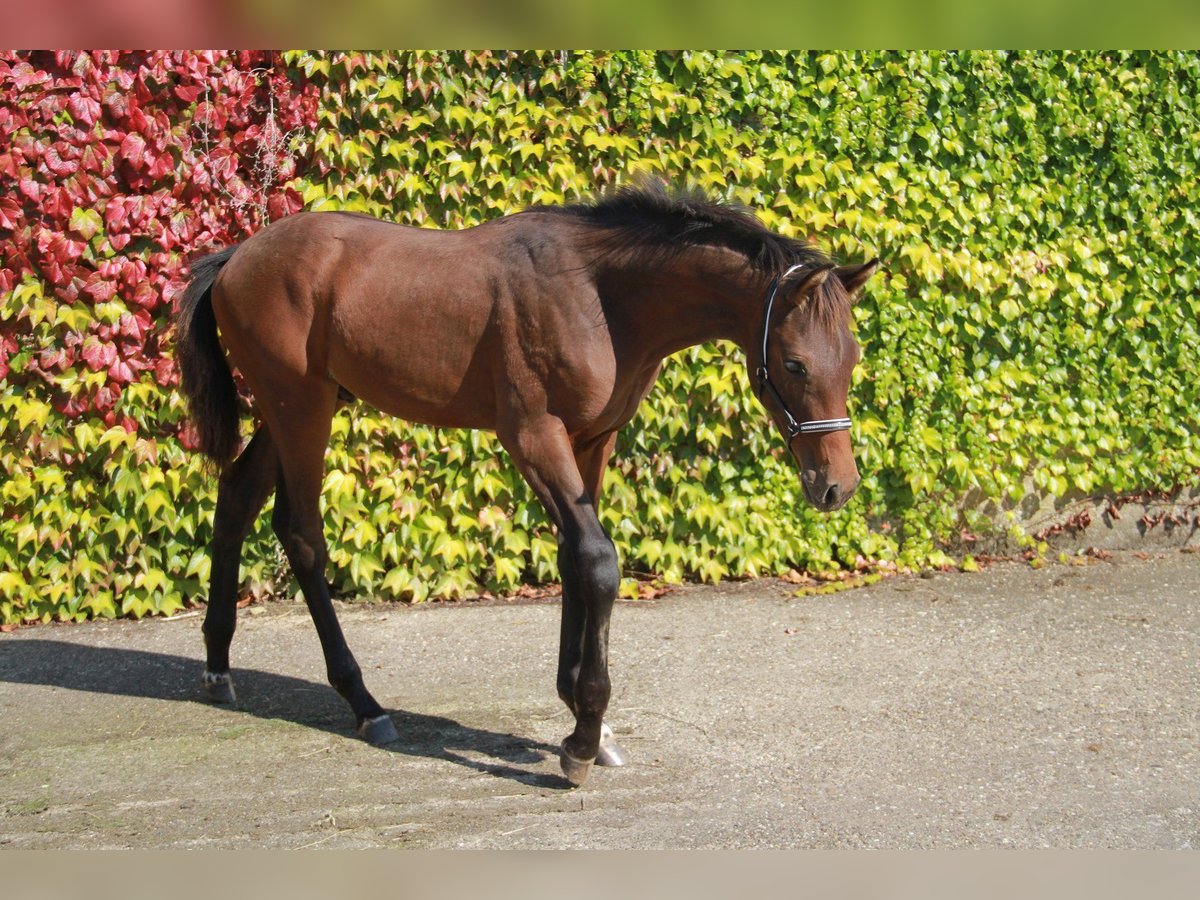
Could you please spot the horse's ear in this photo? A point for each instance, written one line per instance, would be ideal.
(854, 277)
(804, 282)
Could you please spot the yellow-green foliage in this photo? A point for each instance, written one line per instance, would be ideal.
(1036, 323)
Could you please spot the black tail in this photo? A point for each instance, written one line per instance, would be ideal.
(204, 373)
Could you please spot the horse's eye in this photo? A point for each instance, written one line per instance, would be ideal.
(796, 367)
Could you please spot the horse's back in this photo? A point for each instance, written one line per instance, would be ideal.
(421, 323)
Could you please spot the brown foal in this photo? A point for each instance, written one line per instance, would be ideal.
(549, 327)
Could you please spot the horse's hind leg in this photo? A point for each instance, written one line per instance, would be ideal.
(243, 489)
(297, 521)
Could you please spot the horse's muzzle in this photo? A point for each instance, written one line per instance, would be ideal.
(824, 494)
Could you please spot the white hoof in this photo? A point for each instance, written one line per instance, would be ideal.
(610, 753)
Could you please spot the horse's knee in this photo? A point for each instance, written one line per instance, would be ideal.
(598, 568)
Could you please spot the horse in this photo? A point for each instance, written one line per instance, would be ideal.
(547, 326)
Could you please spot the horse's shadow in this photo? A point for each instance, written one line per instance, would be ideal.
(266, 695)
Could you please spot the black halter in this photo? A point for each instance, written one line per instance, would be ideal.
(795, 428)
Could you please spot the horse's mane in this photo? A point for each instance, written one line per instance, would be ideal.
(650, 224)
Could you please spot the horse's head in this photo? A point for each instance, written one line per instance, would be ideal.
(804, 381)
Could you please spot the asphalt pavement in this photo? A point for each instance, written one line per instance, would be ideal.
(1013, 707)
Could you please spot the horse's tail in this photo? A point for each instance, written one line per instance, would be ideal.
(204, 374)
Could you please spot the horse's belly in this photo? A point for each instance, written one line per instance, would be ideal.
(421, 386)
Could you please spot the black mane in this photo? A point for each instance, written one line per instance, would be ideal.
(648, 219)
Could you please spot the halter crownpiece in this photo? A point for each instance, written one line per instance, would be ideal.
(795, 428)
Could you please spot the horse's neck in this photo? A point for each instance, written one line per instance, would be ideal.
(693, 299)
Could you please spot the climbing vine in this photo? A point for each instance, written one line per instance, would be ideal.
(1034, 330)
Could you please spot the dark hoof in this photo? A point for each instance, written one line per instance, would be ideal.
(219, 687)
(610, 753)
(576, 770)
(378, 731)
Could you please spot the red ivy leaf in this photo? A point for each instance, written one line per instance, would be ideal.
(189, 437)
(120, 372)
(30, 188)
(164, 371)
(55, 273)
(100, 290)
(285, 204)
(138, 120)
(211, 116)
(131, 325)
(69, 292)
(133, 148)
(173, 288)
(117, 102)
(161, 165)
(188, 95)
(145, 296)
(54, 358)
(10, 213)
(60, 248)
(139, 209)
(106, 397)
(57, 203)
(97, 355)
(84, 109)
(71, 407)
(133, 271)
(54, 161)
(81, 64)
(94, 156)
(115, 215)
(24, 76)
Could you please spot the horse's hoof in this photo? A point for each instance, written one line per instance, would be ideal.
(610, 753)
(576, 770)
(378, 731)
(219, 687)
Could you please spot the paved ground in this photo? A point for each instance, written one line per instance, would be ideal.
(1012, 707)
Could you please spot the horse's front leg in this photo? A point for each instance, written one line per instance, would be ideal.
(588, 561)
(597, 578)
(570, 651)
(591, 459)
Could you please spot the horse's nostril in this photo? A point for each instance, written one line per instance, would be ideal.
(831, 495)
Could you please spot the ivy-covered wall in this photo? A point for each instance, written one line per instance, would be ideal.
(1036, 325)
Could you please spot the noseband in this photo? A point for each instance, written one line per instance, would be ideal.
(794, 427)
